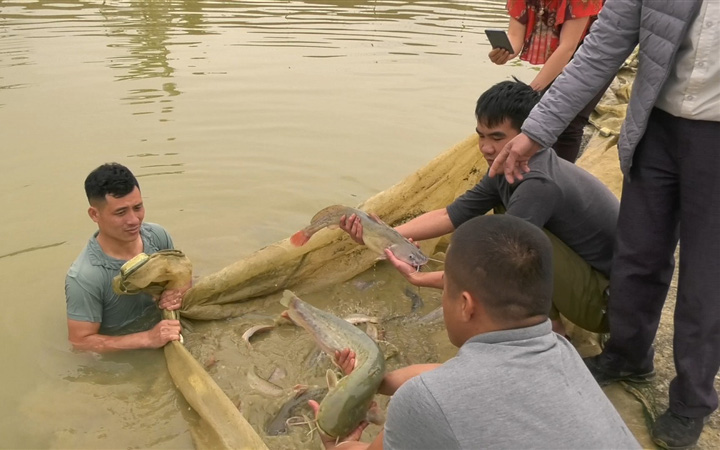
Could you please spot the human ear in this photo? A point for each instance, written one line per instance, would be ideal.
(468, 306)
(93, 213)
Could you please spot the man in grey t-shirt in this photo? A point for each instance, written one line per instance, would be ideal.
(577, 211)
(98, 319)
(514, 383)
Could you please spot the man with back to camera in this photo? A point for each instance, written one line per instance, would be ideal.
(577, 210)
(98, 319)
(513, 383)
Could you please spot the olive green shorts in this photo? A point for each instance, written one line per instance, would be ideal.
(579, 291)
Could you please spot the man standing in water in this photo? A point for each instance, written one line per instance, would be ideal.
(514, 383)
(98, 319)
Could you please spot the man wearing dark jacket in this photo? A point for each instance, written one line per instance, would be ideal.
(669, 156)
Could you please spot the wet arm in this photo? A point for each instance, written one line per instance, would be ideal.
(427, 226)
(84, 336)
(570, 35)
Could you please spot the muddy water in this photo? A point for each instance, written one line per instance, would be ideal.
(241, 119)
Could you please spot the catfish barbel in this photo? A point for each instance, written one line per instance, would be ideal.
(377, 235)
(347, 403)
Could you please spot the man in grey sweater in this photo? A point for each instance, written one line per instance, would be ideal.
(668, 151)
(514, 383)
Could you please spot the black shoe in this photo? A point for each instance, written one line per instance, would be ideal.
(675, 432)
(605, 376)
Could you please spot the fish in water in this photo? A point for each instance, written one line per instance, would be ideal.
(417, 301)
(251, 331)
(347, 403)
(261, 385)
(377, 235)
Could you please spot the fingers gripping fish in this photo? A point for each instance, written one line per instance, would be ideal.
(377, 235)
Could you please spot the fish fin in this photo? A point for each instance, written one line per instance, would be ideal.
(299, 238)
(331, 378)
(288, 295)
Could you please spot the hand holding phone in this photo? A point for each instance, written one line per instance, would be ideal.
(499, 39)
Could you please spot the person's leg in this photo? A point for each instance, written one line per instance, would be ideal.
(578, 289)
(696, 343)
(647, 235)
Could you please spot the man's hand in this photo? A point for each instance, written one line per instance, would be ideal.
(404, 268)
(415, 277)
(345, 359)
(513, 158)
(500, 56)
(164, 332)
(171, 299)
(330, 442)
(353, 226)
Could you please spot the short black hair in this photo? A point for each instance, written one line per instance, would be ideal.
(505, 263)
(511, 100)
(109, 179)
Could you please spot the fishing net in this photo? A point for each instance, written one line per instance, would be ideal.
(331, 257)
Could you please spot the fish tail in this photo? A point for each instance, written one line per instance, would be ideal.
(288, 295)
(327, 217)
(300, 238)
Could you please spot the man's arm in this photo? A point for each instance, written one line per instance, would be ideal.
(345, 359)
(393, 380)
(85, 336)
(430, 225)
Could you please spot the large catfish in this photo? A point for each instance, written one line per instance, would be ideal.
(347, 403)
(377, 235)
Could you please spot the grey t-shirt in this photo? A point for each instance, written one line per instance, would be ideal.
(523, 388)
(89, 294)
(556, 195)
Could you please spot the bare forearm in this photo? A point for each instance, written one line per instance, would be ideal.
(553, 67)
(429, 225)
(393, 380)
(101, 343)
(427, 279)
(516, 35)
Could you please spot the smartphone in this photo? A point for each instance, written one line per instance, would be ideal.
(499, 39)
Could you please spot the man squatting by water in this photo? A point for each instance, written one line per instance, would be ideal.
(98, 319)
(668, 150)
(513, 381)
(577, 212)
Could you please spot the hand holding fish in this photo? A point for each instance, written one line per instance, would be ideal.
(415, 277)
(353, 226)
(331, 442)
(345, 359)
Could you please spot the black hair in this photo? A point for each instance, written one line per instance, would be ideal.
(505, 263)
(511, 100)
(109, 179)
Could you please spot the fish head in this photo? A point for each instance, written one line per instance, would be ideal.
(409, 254)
